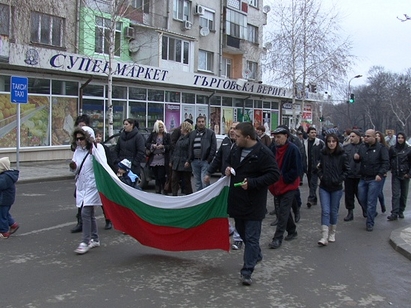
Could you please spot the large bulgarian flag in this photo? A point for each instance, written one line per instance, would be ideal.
(194, 222)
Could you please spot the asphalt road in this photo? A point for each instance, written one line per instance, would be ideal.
(39, 268)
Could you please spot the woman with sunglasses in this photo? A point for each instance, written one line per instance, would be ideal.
(332, 171)
(87, 196)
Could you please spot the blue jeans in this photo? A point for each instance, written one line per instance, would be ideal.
(250, 231)
(381, 194)
(368, 191)
(399, 194)
(5, 218)
(330, 204)
(199, 171)
(89, 224)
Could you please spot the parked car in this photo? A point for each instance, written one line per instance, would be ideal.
(146, 174)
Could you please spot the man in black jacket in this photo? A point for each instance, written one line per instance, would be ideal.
(202, 149)
(252, 168)
(374, 163)
(353, 178)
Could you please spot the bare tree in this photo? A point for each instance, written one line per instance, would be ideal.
(306, 47)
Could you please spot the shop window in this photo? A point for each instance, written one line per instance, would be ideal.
(119, 92)
(138, 111)
(64, 113)
(137, 93)
(201, 99)
(227, 101)
(258, 104)
(93, 90)
(249, 103)
(95, 109)
(215, 100)
(60, 87)
(102, 36)
(173, 96)
(41, 86)
(47, 29)
(156, 95)
(119, 114)
(155, 112)
(188, 98)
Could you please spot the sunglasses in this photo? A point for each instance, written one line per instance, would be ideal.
(80, 138)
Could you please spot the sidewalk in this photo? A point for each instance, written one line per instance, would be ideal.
(400, 239)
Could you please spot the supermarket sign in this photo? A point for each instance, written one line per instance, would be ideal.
(18, 90)
(41, 58)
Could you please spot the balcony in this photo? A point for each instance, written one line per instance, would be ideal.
(232, 45)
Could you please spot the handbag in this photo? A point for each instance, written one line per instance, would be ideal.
(78, 172)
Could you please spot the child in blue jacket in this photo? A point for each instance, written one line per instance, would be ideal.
(8, 179)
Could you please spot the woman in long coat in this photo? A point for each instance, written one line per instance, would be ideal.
(87, 196)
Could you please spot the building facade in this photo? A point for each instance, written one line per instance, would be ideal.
(170, 60)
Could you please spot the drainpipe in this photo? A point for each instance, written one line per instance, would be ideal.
(80, 95)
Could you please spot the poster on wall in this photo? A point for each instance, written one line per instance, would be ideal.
(34, 121)
(244, 115)
(64, 113)
(258, 118)
(215, 113)
(188, 112)
(226, 120)
(274, 120)
(203, 111)
(267, 122)
(172, 118)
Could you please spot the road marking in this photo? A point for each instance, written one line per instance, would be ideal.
(53, 227)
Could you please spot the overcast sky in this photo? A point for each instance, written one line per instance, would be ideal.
(378, 37)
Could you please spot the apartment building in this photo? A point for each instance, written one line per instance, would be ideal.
(171, 60)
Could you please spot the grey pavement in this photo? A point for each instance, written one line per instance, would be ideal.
(400, 239)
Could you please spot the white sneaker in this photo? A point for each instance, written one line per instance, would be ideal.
(93, 244)
(82, 249)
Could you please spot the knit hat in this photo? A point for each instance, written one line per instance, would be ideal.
(4, 164)
(90, 131)
(125, 164)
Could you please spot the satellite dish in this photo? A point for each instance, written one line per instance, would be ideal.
(204, 31)
(246, 73)
(266, 9)
(133, 46)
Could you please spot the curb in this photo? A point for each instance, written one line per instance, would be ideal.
(45, 179)
(400, 240)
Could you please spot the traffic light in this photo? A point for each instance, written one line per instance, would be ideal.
(314, 88)
(352, 98)
(321, 119)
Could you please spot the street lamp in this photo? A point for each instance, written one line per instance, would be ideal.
(349, 93)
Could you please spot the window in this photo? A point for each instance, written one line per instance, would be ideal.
(226, 69)
(253, 3)
(252, 67)
(182, 9)
(175, 50)
(102, 36)
(47, 29)
(236, 24)
(4, 19)
(207, 19)
(141, 5)
(205, 60)
(252, 33)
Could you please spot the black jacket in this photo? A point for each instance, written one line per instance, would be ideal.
(180, 154)
(208, 145)
(130, 145)
(373, 160)
(350, 149)
(400, 160)
(220, 159)
(261, 170)
(333, 169)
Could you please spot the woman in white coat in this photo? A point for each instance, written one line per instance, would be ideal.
(87, 196)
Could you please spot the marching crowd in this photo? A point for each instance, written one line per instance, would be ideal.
(355, 164)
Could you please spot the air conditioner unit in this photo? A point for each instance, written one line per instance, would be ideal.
(129, 32)
(199, 10)
(187, 25)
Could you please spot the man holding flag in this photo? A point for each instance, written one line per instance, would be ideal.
(252, 168)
